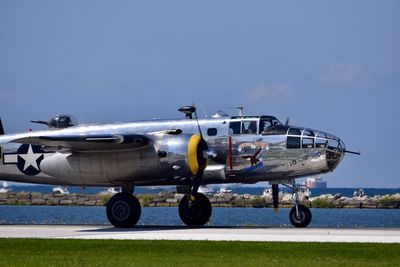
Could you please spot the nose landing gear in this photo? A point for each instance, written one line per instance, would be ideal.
(300, 216)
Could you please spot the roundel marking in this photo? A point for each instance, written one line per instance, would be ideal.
(27, 158)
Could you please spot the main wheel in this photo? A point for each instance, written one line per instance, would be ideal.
(123, 210)
(196, 212)
(304, 218)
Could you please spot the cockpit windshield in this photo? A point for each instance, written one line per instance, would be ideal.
(268, 121)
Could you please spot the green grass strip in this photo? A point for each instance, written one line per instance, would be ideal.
(52, 252)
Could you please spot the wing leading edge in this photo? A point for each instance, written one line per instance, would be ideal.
(86, 142)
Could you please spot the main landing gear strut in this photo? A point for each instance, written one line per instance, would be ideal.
(300, 215)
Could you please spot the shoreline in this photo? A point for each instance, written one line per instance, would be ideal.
(171, 199)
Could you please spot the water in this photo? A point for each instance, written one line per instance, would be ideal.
(348, 192)
(332, 218)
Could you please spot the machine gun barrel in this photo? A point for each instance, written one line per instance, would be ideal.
(41, 122)
(351, 152)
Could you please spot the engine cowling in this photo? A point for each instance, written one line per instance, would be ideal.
(182, 156)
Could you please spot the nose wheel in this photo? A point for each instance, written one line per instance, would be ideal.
(123, 210)
(195, 209)
(300, 216)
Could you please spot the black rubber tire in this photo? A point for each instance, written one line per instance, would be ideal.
(304, 214)
(198, 213)
(123, 210)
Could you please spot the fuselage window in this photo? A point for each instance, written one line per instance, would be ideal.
(293, 142)
(234, 127)
(212, 131)
(249, 127)
(308, 142)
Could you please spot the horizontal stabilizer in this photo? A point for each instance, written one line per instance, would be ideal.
(1, 128)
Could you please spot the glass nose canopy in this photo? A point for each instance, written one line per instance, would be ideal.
(303, 138)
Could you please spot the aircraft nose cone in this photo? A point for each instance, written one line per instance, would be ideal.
(335, 151)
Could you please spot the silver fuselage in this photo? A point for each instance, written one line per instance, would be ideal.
(235, 155)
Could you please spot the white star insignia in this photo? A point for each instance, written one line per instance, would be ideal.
(30, 159)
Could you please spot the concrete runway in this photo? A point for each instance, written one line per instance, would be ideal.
(205, 233)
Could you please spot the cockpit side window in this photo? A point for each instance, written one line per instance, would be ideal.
(243, 127)
(264, 124)
(249, 127)
(234, 127)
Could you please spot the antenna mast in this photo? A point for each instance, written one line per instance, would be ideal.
(240, 109)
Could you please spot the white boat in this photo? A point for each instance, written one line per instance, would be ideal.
(359, 193)
(5, 188)
(114, 190)
(267, 192)
(205, 189)
(111, 190)
(60, 190)
(224, 190)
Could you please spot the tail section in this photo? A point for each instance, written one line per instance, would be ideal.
(1, 128)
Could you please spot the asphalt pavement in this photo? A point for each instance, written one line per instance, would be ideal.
(203, 233)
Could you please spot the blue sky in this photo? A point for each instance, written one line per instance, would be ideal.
(329, 65)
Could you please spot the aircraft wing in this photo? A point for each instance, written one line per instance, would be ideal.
(86, 142)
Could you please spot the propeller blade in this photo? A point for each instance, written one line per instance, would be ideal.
(287, 121)
(1, 128)
(197, 121)
(201, 156)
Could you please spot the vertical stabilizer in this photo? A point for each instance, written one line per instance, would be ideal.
(1, 128)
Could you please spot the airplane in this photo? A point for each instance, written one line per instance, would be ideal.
(186, 153)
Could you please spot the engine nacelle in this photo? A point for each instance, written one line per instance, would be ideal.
(181, 156)
(167, 157)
